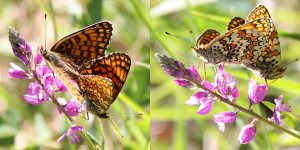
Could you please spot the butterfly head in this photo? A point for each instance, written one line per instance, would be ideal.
(198, 50)
(43, 51)
(273, 73)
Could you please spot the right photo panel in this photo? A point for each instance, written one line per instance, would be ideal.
(225, 74)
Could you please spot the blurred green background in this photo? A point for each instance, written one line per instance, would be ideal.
(23, 126)
(175, 125)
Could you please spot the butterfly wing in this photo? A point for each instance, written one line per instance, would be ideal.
(97, 92)
(235, 22)
(239, 44)
(271, 54)
(66, 74)
(85, 44)
(113, 69)
(258, 12)
(205, 38)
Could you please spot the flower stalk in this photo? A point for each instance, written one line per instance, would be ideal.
(225, 90)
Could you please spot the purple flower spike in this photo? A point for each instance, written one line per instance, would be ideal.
(256, 93)
(285, 107)
(33, 94)
(20, 48)
(73, 108)
(72, 134)
(171, 66)
(193, 74)
(17, 72)
(247, 133)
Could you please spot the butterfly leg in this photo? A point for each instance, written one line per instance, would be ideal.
(204, 66)
(87, 115)
(266, 82)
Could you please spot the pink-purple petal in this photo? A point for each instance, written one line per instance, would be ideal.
(256, 93)
(277, 117)
(247, 133)
(72, 133)
(205, 107)
(73, 108)
(33, 99)
(38, 58)
(17, 72)
(225, 117)
(193, 74)
(184, 83)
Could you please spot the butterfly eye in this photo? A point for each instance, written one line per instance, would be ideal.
(43, 52)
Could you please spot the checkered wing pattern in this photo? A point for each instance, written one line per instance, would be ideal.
(85, 44)
(113, 70)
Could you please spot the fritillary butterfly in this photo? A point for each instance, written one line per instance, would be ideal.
(80, 62)
(253, 43)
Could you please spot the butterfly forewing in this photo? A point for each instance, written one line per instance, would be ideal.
(239, 44)
(86, 44)
(258, 12)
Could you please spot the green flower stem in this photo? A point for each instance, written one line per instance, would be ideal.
(87, 139)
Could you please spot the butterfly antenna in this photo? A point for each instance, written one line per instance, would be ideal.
(193, 36)
(290, 62)
(179, 37)
(45, 29)
(118, 131)
(272, 82)
(138, 114)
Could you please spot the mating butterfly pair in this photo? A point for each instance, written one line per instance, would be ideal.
(79, 61)
(252, 42)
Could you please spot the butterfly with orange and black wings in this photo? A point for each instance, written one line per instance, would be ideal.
(76, 58)
(253, 43)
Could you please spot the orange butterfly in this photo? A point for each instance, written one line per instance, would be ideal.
(80, 58)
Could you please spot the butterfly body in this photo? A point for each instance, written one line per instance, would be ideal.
(80, 62)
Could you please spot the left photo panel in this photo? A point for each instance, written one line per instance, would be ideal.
(74, 74)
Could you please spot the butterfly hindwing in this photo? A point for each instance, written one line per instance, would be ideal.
(114, 67)
(235, 22)
(98, 93)
(270, 59)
